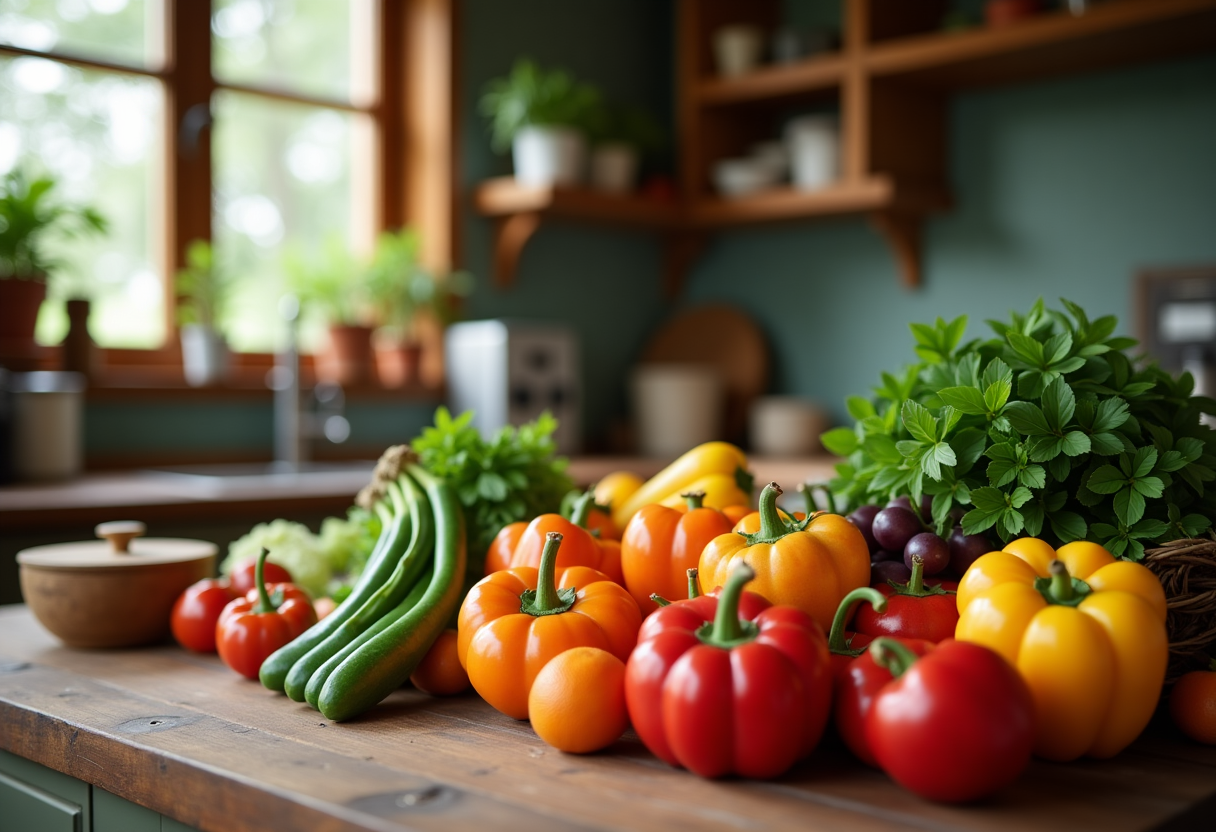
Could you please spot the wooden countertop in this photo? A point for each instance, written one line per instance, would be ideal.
(97, 497)
(184, 736)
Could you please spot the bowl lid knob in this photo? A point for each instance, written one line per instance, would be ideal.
(120, 533)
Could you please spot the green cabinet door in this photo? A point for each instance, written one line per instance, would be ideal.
(34, 798)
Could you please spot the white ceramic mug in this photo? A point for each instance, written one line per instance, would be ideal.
(814, 144)
(737, 49)
(549, 155)
(785, 426)
(678, 406)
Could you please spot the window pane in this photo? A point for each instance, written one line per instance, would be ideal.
(99, 135)
(317, 48)
(283, 181)
(124, 32)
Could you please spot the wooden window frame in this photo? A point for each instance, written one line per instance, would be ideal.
(413, 170)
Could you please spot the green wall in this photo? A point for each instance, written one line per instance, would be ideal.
(1063, 189)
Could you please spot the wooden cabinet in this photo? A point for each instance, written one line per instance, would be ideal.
(889, 85)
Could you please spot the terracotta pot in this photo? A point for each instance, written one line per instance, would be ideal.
(397, 362)
(20, 301)
(1004, 12)
(347, 359)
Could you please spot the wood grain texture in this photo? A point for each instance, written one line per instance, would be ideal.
(182, 735)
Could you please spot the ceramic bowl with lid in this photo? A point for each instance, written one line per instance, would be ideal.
(116, 592)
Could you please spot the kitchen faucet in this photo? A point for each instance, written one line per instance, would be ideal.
(293, 426)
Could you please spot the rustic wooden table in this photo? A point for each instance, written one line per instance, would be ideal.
(181, 734)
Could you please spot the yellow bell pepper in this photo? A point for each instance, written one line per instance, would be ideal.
(679, 477)
(810, 564)
(1087, 633)
(615, 488)
(720, 490)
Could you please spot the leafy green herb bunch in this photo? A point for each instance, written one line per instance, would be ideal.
(1048, 429)
(514, 475)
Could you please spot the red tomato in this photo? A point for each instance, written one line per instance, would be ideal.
(197, 610)
(242, 575)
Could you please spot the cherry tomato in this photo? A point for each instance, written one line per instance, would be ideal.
(243, 580)
(197, 610)
(1193, 704)
(440, 672)
(577, 703)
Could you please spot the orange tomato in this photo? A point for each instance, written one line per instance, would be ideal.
(577, 703)
(1193, 704)
(503, 644)
(498, 556)
(660, 545)
(440, 672)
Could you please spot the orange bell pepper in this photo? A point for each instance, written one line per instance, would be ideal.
(581, 548)
(661, 544)
(1087, 633)
(810, 564)
(502, 547)
(513, 622)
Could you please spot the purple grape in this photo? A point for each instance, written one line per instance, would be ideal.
(889, 570)
(932, 550)
(904, 501)
(882, 554)
(894, 527)
(965, 548)
(863, 519)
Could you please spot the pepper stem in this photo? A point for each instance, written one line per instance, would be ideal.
(547, 599)
(836, 642)
(890, 654)
(659, 599)
(694, 586)
(259, 578)
(694, 499)
(582, 509)
(727, 630)
(916, 584)
(1061, 583)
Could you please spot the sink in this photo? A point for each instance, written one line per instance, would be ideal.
(276, 477)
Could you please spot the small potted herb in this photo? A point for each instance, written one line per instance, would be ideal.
(28, 214)
(621, 137)
(202, 293)
(335, 285)
(541, 115)
(413, 305)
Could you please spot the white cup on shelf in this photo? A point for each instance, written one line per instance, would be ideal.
(814, 145)
(737, 49)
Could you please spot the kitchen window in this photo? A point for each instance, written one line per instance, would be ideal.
(266, 126)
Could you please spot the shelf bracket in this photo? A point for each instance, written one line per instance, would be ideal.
(511, 234)
(902, 232)
(681, 249)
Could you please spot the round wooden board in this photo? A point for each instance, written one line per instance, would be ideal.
(725, 338)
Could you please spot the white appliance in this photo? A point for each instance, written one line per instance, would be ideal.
(508, 372)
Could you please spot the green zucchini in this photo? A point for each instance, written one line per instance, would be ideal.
(385, 661)
(394, 537)
(312, 692)
(416, 557)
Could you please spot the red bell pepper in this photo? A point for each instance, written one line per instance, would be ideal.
(916, 609)
(955, 725)
(251, 628)
(856, 687)
(721, 694)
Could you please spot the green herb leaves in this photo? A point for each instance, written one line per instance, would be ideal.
(512, 476)
(1080, 440)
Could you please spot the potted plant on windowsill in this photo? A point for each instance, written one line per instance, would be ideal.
(27, 216)
(334, 284)
(541, 115)
(413, 305)
(202, 290)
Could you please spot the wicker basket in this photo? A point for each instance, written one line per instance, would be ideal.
(1187, 569)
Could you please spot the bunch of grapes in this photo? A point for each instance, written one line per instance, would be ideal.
(896, 534)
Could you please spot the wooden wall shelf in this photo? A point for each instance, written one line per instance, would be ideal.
(890, 81)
